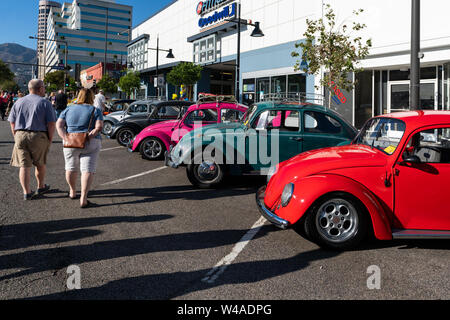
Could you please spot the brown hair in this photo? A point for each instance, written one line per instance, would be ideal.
(85, 96)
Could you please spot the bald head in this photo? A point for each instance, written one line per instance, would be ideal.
(36, 86)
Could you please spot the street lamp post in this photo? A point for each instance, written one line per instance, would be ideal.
(169, 56)
(415, 56)
(256, 33)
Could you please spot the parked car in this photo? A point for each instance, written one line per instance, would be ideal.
(392, 180)
(135, 108)
(291, 128)
(117, 105)
(126, 129)
(153, 141)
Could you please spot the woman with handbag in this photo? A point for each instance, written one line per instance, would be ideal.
(79, 125)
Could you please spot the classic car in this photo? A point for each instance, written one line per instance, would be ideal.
(286, 128)
(117, 105)
(136, 108)
(390, 182)
(156, 139)
(126, 129)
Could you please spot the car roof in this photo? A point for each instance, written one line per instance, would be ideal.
(174, 102)
(206, 105)
(421, 117)
(291, 105)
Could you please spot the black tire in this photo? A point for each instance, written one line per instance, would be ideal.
(107, 127)
(148, 154)
(124, 136)
(338, 221)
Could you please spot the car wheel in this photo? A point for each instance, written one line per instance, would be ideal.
(125, 136)
(205, 175)
(107, 128)
(337, 221)
(152, 149)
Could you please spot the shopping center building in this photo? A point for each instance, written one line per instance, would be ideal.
(201, 32)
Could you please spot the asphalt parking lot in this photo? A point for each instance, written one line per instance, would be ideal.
(152, 235)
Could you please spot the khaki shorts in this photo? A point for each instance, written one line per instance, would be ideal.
(86, 159)
(30, 148)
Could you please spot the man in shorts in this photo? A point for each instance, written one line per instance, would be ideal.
(33, 122)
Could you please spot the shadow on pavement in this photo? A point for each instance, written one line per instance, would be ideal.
(172, 285)
(26, 235)
(53, 259)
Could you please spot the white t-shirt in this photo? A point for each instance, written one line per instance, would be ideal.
(100, 102)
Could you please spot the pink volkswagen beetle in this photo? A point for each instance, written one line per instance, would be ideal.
(156, 139)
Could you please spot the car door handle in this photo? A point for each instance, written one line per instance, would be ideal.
(296, 139)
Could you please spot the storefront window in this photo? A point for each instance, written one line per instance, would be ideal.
(279, 84)
(262, 88)
(446, 86)
(296, 83)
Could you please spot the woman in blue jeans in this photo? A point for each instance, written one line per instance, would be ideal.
(76, 118)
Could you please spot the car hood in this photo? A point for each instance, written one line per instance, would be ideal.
(116, 114)
(320, 161)
(161, 125)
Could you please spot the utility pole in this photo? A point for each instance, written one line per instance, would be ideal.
(415, 56)
(106, 40)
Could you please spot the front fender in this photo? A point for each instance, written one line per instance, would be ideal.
(309, 189)
(166, 139)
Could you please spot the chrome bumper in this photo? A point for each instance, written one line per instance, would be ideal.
(168, 160)
(266, 213)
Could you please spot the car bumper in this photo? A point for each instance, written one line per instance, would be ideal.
(266, 213)
(168, 160)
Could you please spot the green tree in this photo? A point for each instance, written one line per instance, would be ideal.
(186, 73)
(108, 84)
(9, 85)
(130, 82)
(5, 73)
(54, 81)
(333, 50)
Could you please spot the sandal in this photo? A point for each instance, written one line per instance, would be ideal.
(87, 205)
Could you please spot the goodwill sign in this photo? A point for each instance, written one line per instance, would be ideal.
(220, 15)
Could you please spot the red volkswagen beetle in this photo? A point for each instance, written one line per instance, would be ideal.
(391, 180)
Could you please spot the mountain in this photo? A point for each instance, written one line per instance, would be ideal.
(12, 52)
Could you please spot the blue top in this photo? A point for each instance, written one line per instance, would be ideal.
(77, 117)
(32, 113)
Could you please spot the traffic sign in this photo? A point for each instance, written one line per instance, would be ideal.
(58, 67)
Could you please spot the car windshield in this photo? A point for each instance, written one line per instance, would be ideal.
(383, 134)
(249, 114)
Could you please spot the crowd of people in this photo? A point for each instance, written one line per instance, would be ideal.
(34, 120)
(7, 100)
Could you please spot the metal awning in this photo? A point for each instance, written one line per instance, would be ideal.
(224, 27)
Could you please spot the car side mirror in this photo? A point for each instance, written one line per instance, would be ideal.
(411, 159)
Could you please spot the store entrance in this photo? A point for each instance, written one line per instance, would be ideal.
(222, 79)
(399, 95)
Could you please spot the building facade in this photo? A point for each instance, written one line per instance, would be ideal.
(44, 11)
(201, 32)
(88, 32)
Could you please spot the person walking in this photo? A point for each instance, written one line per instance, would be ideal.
(79, 118)
(100, 101)
(3, 105)
(10, 104)
(60, 102)
(33, 122)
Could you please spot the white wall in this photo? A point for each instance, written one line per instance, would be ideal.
(388, 24)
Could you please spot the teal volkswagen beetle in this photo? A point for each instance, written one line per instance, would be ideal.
(269, 133)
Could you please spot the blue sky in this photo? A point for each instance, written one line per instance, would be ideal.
(19, 18)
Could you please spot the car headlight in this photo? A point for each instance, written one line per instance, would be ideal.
(288, 192)
(272, 171)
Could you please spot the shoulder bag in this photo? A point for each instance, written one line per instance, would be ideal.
(78, 140)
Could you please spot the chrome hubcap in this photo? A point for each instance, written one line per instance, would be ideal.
(107, 128)
(207, 171)
(126, 137)
(152, 149)
(337, 220)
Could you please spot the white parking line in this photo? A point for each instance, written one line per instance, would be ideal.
(223, 264)
(111, 149)
(133, 177)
